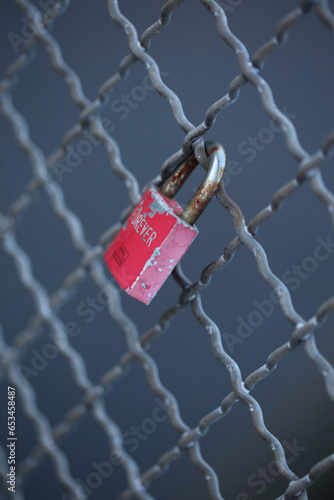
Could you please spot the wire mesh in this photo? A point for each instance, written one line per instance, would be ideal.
(50, 432)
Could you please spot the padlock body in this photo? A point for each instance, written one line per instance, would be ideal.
(149, 245)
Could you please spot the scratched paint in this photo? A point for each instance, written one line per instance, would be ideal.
(149, 245)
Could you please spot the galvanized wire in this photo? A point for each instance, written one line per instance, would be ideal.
(47, 307)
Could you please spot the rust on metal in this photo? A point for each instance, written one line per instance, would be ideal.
(213, 149)
(173, 183)
(208, 186)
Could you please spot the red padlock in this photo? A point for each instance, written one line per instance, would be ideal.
(158, 231)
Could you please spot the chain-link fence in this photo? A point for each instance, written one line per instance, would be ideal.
(108, 398)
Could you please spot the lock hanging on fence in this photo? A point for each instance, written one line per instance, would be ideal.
(158, 231)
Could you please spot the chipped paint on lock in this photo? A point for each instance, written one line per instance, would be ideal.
(149, 245)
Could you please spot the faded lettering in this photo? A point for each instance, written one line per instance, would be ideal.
(143, 228)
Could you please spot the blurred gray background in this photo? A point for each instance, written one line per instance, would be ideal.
(199, 67)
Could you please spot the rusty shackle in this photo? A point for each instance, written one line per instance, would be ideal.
(208, 187)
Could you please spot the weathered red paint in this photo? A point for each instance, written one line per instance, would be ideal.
(149, 245)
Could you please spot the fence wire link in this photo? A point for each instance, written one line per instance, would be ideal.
(47, 307)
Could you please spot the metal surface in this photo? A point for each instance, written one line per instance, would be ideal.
(48, 307)
(208, 187)
(150, 244)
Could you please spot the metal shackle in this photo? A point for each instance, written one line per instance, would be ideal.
(208, 187)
